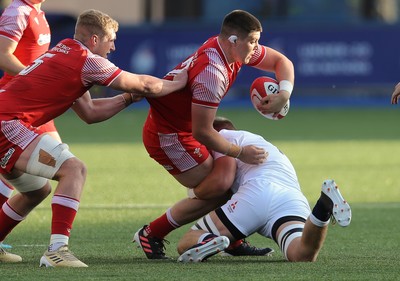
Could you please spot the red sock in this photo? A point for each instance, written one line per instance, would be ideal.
(160, 227)
(64, 211)
(8, 220)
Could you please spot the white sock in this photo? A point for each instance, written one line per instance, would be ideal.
(318, 222)
(57, 241)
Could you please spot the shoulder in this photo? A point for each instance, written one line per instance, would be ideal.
(258, 56)
(17, 8)
(15, 18)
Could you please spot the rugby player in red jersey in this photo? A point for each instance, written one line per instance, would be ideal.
(179, 133)
(56, 81)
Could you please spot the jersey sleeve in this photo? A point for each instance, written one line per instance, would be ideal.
(99, 70)
(258, 56)
(13, 22)
(211, 83)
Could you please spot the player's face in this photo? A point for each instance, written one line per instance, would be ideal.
(248, 46)
(106, 44)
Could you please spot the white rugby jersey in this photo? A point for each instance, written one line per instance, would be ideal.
(277, 168)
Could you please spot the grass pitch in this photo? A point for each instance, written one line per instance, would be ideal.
(359, 148)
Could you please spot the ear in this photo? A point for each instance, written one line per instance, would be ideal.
(232, 39)
(94, 39)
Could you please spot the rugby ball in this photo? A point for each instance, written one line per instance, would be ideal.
(262, 87)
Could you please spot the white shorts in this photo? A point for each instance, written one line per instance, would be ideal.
(259, 203)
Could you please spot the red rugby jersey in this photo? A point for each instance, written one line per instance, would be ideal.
(27, 26)
(53, 82)
(210, 78)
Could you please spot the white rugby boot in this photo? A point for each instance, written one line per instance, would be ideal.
(209, 247)
(341, 210)
(7, 257)
(62, 257)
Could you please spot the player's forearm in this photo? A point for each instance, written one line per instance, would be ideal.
(98, 110)
(154, 87)
(284, 70)
(214, 141)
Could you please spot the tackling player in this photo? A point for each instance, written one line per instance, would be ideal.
(267, 199)
(178, 131)
(56, 81)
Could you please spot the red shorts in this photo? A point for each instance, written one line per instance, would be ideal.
(176, 152)
(15, 136)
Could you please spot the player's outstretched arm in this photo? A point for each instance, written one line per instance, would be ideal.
(97, 110)
(147, 85)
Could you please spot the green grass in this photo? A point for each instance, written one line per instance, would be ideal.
(359, 148)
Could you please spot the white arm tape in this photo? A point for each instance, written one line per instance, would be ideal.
(190, 193)
(286, 85)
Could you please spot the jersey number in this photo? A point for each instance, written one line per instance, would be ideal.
(35, 63)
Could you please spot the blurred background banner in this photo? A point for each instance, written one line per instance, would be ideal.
(321, 58)
(344, 51)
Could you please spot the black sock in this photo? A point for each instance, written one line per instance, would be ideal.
(323, 208)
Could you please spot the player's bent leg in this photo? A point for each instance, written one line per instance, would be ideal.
(71, 177)
(25, 202)
(53, 160)
(191, 209)
(312, 240)
(341, 210)
(288, 238)
(195, 176)
(32, 191)
(6, 191)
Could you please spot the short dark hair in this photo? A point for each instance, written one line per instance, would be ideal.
(241, 22)
(223, 123)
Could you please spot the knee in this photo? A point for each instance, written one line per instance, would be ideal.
(302, 255)
(37, 196)
(73, 167)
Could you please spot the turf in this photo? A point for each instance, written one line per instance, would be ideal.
(359, 148)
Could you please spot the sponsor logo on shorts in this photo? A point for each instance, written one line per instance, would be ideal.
(7, 156)
(232, 206)
(197, 152)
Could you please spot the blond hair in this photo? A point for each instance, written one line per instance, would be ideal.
(95, 22)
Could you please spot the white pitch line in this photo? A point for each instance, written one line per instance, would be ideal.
(118, 206)
(35, 245)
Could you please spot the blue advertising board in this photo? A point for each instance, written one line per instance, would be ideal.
(362, 56)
